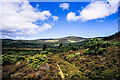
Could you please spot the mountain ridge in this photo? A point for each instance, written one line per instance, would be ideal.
(72, 39)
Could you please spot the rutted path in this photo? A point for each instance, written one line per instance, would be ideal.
(61, 73)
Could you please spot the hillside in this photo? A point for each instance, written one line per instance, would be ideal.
(114, 37)
(77, 58)
(70, 39)
(90, 60)
(40, 42)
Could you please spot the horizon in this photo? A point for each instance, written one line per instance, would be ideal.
(45, 20)
(64, 37)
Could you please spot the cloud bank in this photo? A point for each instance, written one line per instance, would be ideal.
(95, 10)
(19, 18)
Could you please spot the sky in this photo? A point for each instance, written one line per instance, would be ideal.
(40, 20)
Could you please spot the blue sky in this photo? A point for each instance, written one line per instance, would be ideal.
(69, 19)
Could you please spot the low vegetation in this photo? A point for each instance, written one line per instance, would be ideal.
(92, 59)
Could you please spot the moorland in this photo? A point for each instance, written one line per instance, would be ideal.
(64, 58)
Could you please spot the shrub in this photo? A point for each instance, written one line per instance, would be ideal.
(18, 58)
(44, 47)
(44, 52)
(35, 61)
(92, 43)
(100, 51)
(6, 60)
(50, 53)
(88, 73)
(94, 51)
(60, 45)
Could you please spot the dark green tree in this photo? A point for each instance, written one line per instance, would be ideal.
(69, 44)
(44, 47)
(60, 45)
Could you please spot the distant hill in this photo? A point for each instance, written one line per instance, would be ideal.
(114, 37)
(40, 42)
(70, 39)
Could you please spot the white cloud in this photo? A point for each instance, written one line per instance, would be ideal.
(96, 10)
(20, 17)
(72, 16)
(92, 0)
(44, 27)
(7, 37)
(17, 37)
(37, 5)
(55, 18)
(99, 9)
(64, 6)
